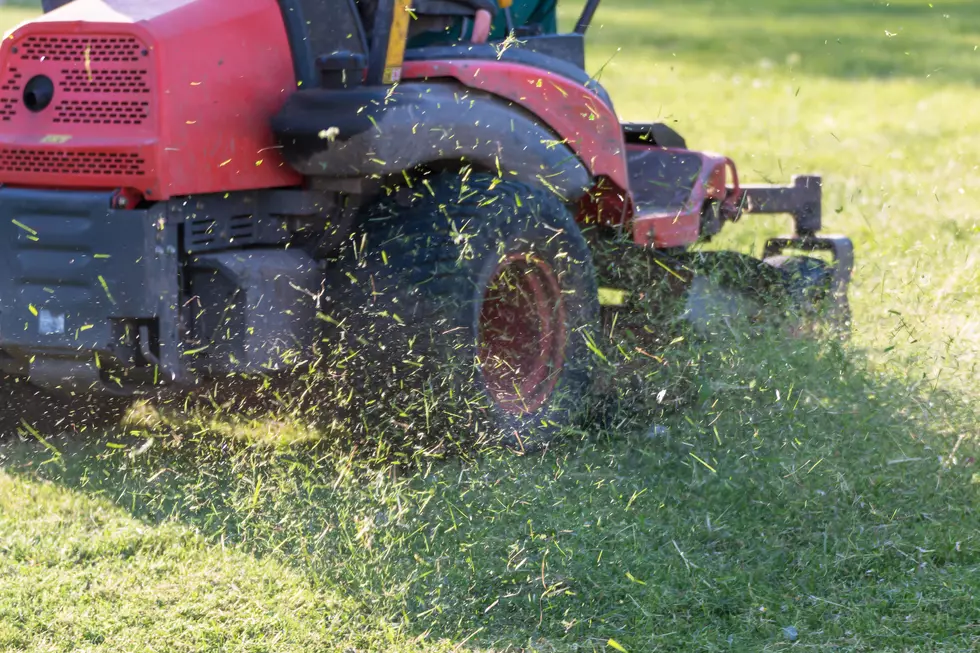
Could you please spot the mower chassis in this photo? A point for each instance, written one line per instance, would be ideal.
(207, 263)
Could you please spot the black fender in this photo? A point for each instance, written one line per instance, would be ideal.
(379, 131)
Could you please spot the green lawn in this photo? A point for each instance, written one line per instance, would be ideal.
(805, 495)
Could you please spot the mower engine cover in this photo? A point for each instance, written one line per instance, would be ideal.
(147, 95)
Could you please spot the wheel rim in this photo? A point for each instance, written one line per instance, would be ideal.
(522, 334)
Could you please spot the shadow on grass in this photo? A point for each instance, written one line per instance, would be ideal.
(850, 39)
(795, 489)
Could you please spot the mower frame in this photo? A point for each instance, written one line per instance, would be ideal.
(144, 260)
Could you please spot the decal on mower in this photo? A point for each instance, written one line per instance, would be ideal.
(50, 324)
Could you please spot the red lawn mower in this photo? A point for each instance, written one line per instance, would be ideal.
(198, 190)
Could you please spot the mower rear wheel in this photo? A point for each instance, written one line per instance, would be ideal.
(469, 305)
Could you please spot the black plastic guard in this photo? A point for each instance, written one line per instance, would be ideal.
(254, 310)
(70, 266)
(346, 134)
(662, 181)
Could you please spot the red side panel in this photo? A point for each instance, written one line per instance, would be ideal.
(671, 188)
(171, 97)
(100, 129)
(576, 114)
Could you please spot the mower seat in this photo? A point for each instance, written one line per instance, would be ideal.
(519, 55)
(333, 26)
(430, 18)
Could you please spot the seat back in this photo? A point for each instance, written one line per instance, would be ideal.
(566, 47)
(335, 26)
(429, 15)
(322, 27)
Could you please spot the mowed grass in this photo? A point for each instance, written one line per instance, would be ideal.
(806, 495)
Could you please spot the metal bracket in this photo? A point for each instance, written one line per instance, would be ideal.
(802, 200)
(585, 20)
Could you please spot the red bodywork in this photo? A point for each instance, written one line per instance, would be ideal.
(171, 97)
(574, 112)
(680, 225)
(593, 131)
(175, 97)
(577, 115)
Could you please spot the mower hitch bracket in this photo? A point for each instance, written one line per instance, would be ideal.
(803, 200)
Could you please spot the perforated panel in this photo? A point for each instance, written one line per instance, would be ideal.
(71, 163)
(103, 91)
(219, 233)
(13, 81)
(104, 81)
(102, 112)
(10, 95)
(92, 49)
(8, 108)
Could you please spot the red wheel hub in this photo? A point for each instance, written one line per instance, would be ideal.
(522, 334)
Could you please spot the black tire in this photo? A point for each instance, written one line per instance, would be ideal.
(422, 312)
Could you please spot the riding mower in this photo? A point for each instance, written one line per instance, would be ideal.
(198, 191)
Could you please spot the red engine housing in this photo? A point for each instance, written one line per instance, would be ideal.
(171, 97)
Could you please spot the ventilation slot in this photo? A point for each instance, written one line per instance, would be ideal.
(212, 234)
(71, 163)
(104, 81)
(9, 95)
(203, 233)
(104, 112)
(107, 49)
(8, 108)
(13, 83)
(241, 227)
